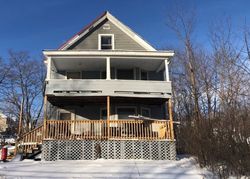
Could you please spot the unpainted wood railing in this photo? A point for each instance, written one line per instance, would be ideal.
(76, 129)
(99, 130)
(31, 139)
(139, 129)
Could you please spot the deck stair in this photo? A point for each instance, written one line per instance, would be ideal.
(30, 143)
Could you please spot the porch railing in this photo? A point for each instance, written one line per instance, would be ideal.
(99, 130)
(31, 139)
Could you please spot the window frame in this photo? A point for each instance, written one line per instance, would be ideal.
(112, 41)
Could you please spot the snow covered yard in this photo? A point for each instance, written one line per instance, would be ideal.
(184, 168)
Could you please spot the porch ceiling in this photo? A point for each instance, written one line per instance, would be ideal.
(102, 100)
(145, 64)
(78, 64)
(99, 64)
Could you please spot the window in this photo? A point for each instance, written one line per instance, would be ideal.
(146, 112)
(124, 112)
(90, 75)
(66, 114)
(103, 74)
(103, 114)
(144, 75)
(73, 75)
(125, 74)
(106, 42)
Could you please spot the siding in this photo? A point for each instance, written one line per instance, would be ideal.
(126, 88)
(122, 40)
(92, 112)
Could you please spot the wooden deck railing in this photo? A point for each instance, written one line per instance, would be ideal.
(76, 129)
(31, 139)
(98, 129)
(139, 129)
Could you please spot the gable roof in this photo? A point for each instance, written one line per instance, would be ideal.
(97, 21)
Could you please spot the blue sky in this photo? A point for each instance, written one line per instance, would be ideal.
(34, 25)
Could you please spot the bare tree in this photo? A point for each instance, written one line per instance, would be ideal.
(24, 87)
(183, 23)
(4, 70)
(212, 85)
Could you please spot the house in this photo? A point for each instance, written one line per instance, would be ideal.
(108, 95)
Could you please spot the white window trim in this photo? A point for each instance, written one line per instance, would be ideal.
(99, 40)
(117, 107)
(144, 108)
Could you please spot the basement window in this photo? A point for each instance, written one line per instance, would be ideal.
(106, 41)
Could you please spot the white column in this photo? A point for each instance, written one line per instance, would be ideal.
(166, 70)
(48, 68)
(108, 68)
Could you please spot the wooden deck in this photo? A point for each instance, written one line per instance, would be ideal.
(131, 129)
(96, 130)
(102, 130)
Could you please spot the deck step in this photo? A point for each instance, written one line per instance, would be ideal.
(29, 151)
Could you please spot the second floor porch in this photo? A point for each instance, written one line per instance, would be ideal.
(108, 74)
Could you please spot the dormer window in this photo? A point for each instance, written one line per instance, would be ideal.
(106, 42)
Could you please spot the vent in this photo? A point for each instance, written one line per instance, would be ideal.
(139, 92)
(106, 27)
(77, 92)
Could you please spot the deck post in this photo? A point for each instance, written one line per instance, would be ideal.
(166, 70)
(44, 115)
(108, 114)
(108, 68)
(48, 68)
(170, 112)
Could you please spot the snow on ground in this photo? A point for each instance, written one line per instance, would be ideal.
(185, 168)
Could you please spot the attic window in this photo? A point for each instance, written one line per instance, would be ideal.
(106, 42)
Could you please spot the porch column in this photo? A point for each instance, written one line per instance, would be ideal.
(48, 68)
(44, 116)
(108, 115)
(108, 68)
(170, 112)
(166, 70)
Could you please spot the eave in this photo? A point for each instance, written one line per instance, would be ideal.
(99, 53)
